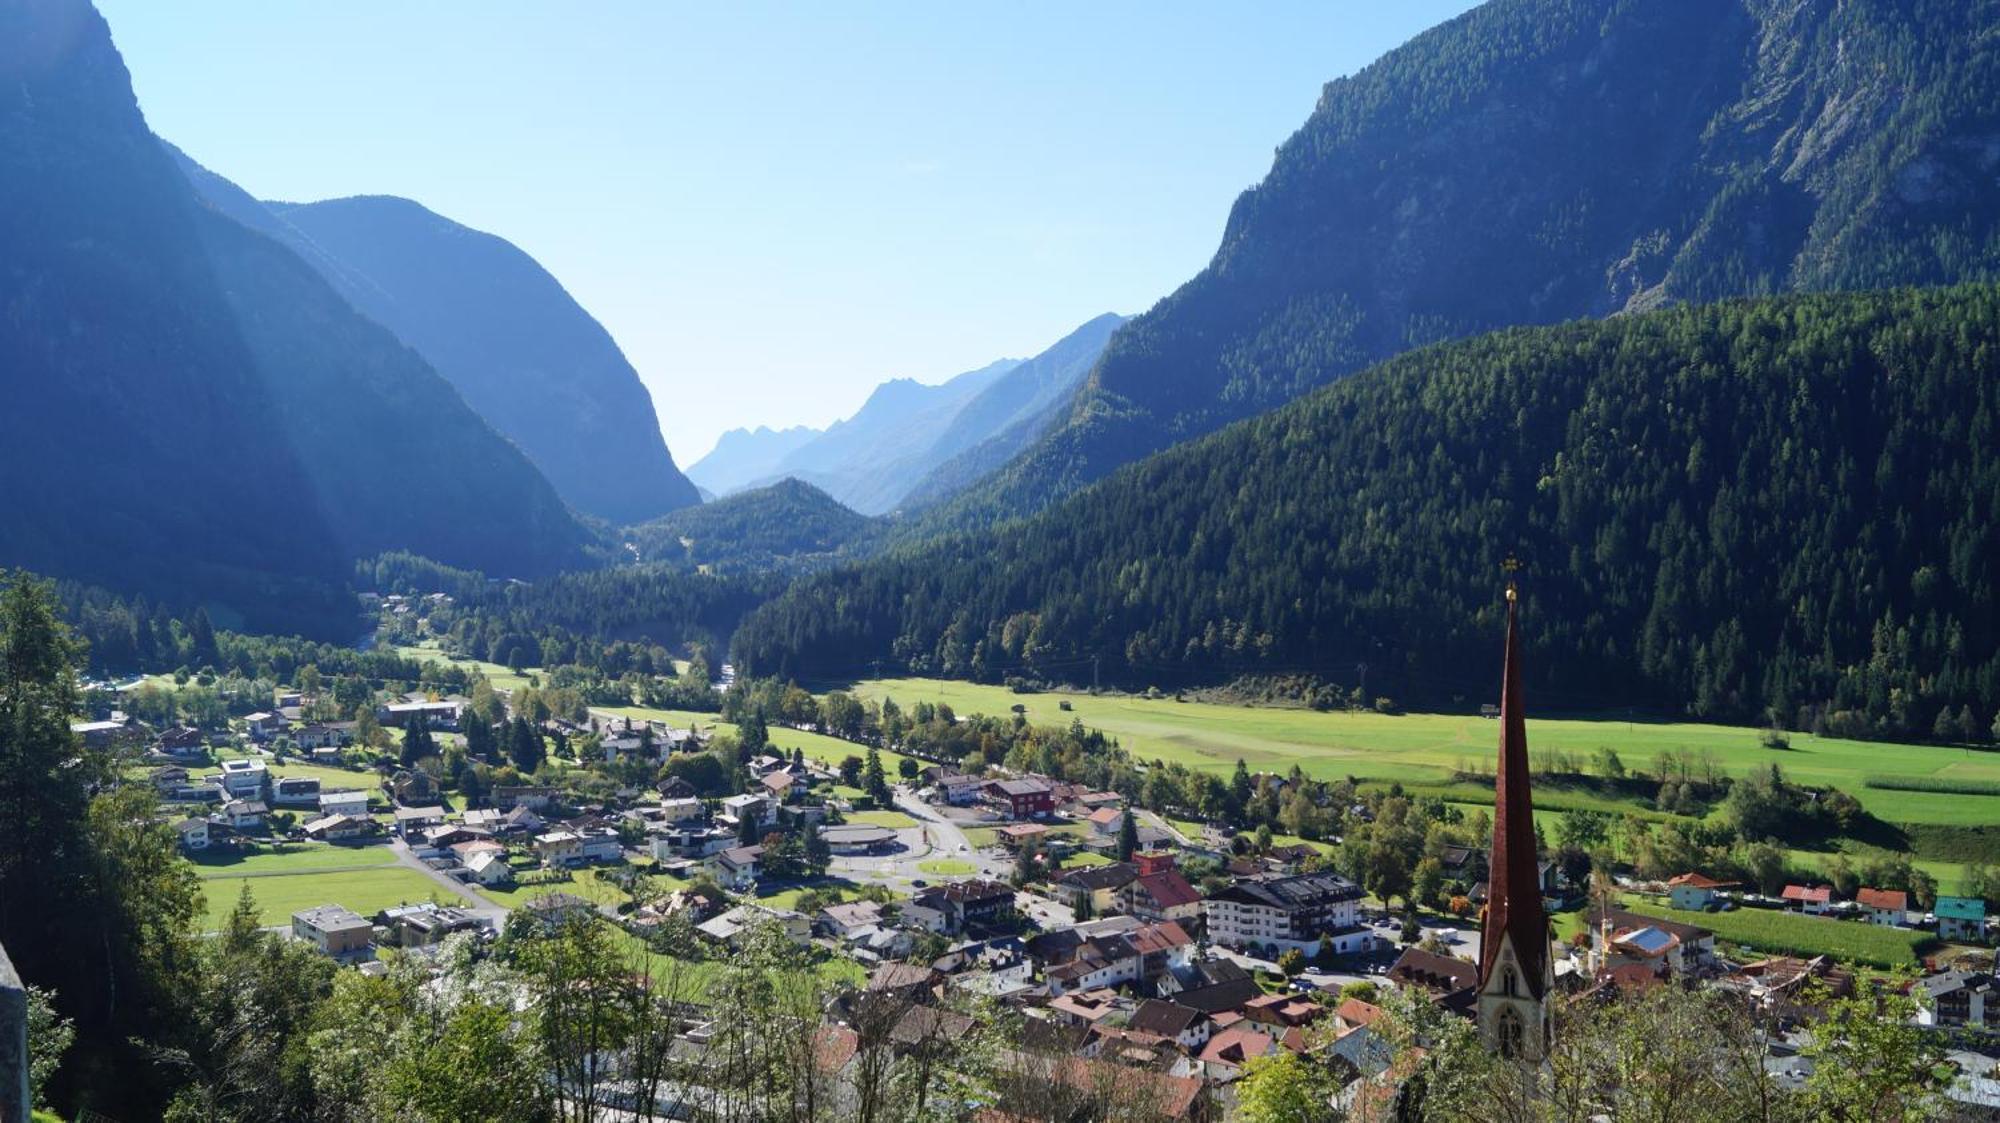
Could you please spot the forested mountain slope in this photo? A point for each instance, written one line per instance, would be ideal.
(192, 413)
(787, 526)
(1538, 160)
(1780, 506)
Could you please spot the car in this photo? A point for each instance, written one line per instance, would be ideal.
(920, 883)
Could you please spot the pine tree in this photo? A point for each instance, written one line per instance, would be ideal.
(417, 743)
(876, 783)
(1128, 835)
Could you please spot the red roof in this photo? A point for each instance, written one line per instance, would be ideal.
(1697, 881)
(1237, 1046)
(1106, 815)
(1355, 1012)
(1159, 937)
(1893, 899)
(1169, 889)
(1812, 895)
(1514, 891)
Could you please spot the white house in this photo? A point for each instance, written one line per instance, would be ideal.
(1889, 908)
(1694, 892)
(295, 791)
(490, 868)
(737, 867)
(681, 810)
(194, 833)
(244, 779)
(245, 814)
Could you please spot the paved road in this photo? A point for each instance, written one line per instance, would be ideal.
(495, 914)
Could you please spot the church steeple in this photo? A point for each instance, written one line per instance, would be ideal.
(1516, 972)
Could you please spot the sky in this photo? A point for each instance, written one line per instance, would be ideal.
(775, 207)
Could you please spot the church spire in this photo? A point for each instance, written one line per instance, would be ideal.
(1515, 969)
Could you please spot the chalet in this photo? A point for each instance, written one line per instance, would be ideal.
(1159, 892)
(1959, 998)
(778, 785)
(507, 797)
(729, 927)
(345, 801)
(413, 788)
(1694, 892)
(295, 791)
(1085, 1007)
(193, 833)
(1814, 899)
(1961, 918)
(1021, 836)
(840, 920)
(1283, 1010)
(336, 931)
(244, 814)
(1023, 798)
(676, 787)
(1105, 821)
(1889, 908)
(264, 725)
(182, 743)
(1230, 1051)
(325, 735)
(737, 867)
(965, 903)
(1288, 913)
(339, 827)
(956, 788)
(490, 868)
(1183, 1025)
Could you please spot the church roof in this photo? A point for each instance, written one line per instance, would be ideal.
(1514, 890)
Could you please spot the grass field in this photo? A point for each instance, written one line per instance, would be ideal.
(501, 677)
(278, 862)
(829, 751)
(585, 884)
(894, 820)
(1770, 931)
(948, 867)
(1422, 749)
(280, 895)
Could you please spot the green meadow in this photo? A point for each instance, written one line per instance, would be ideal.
(1421, 750)
(279, 895)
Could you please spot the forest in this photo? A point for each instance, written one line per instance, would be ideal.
(1776, 510)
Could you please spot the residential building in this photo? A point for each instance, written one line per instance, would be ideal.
(295, 791)
(956, 788)
(244, 779)
(1814, 899)
(490, 868)
(339, 828)
(412, 822)
(1959, 998)
(346, 801)
(737, 867)
(1694, 892)
(1183, 1025)
(244, 814)
(1093, 889)
(737, 807)
(511, 797)
(1680, 947)
(1159, 892)
(1889, 908)
(1454, 983)
(334, 930)
(263, 725)
(437, 715)
(193, 833)
(1023, 798)
(1961, 918)
(966, 903)
(682, 810)
(1285, 913)
(182, 742)
(1105, 821)
(422, 925)
(325, 735)
(1228, 1052)
(730, 926)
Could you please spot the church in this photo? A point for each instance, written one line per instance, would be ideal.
(1516, 968)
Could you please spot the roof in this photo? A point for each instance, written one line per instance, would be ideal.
(1812, 895)
(742, 855)
(1237, 1046)
(1442, 973)
(414, 814)
(1117, 875)
(856, 834)
(1620, 920)
(1697, 881)
(1020, 787)
(1168, 889)
(1355, 1012)
(1892, 900)
(1160, 937)
(897, 976)
(1299, 891)
(1960, 908)
(1951, 982)
(331, 918)
(1105, 816)
(1514, 913)
(1649, 941)
(1167, 1019)
(1022, 830)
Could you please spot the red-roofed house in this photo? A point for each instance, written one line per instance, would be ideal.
(1889, 908)
(1105, 820)
(1227, 1052)
(1160, 892)
(1693, 891)
(1815, 899)
(1353, 1012)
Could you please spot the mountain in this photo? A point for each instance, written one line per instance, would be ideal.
(789, 526)
(744, 456)
(868, 461)
(1007, 416)
(1534, 161)
(498, 327)
(1781, 508)
(212, 421)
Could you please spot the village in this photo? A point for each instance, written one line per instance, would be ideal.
(1134, 941)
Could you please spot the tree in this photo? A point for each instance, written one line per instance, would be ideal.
(749, 831)
(1128, 834)
(850, 770)
(1871, 1060)
(417, 741)
(876, 783)
(1291, 962)
(49, 1037)
(1427, 884)
(1283, 1089)
(524, 745)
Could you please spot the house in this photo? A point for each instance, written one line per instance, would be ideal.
(737, 867)
(264, 725)
(1283, 1010)
(682, 810)
(1693, 892)
(411, 822)
(729, 927)
(956, 788)
(490, 868)
(1959, 998)
(1285, 913)
(691, 840)
(750, 804)
(339, 827)
(1022, 799)
(840, 920)
(1094, 889)
(1961, 918)
(508, 797)
(334, 930)
(244, 779)
(98, 734)
(193, 833)
(1105, 821)
(1680, 947)
(965, 903)
(1454, 983)
(245, 814)
(325, 735)
(1159, 892)
(1814, 899)
(295, 791)
(437, 715)
(413, 789)
(1224, 1057)
(559, 848)
(423, 925)
(1110, 953)
(1183, 1025)
(183, 742)
(344, 801)
(1021, 837)
(779, 785)
(1889, 908)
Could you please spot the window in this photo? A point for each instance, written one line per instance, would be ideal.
(1510, 1032)
(1510, 983)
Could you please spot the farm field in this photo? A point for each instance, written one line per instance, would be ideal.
(316, 857)
(1770, 931)
(1420, 750)
(279, 895)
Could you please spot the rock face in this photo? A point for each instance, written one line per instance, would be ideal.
(1539, 160)
(503, 331)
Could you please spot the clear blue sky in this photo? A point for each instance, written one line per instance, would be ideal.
(774, 207)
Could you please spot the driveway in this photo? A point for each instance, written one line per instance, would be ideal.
(475, 902)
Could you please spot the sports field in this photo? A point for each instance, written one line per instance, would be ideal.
(1421, 750)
